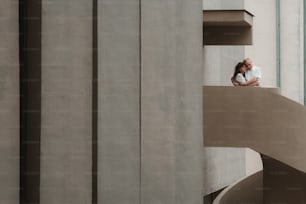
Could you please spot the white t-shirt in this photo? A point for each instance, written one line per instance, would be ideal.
(240, 78)
(254, 72)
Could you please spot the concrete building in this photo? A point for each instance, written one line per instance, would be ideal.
(102, 101)
(278, 47)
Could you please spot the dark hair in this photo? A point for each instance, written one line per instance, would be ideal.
(237, 69)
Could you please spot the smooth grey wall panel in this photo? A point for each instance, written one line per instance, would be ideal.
(118, 102)
(66, 157)
(223, 4)
(9, 103)
(171, 141)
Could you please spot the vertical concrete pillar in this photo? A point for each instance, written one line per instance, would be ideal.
(9, 103)
(118, 101)
(66, 133)
(150, 102)
(171, 102)
(292, 57)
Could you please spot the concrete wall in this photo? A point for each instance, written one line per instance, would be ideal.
(9, 103)
(119, 102)
(219, 62)
(263, 50)
(171, 102)
(218, 66)
(66, 102)
(292, 57)
(223, 4)
(222, 166)
(150, 102)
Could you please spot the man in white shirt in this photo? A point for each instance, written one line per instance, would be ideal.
(252, 71)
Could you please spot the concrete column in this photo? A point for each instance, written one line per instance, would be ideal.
(66, 102)
(292, 58)
(171, 102)
(118, 101)
(9, 103)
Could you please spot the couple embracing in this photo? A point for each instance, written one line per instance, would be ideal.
(246, 74)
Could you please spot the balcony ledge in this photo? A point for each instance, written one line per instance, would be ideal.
(227, 18)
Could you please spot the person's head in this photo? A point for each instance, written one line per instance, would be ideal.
(239, 68)
(248, 63)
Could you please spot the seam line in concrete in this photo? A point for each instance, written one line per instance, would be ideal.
(140, 104)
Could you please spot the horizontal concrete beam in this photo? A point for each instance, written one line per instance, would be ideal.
(227, 27)
(227, 18)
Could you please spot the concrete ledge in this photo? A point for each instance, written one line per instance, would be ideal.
(227, 27)
(227, 18)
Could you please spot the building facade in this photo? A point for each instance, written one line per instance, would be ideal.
(101, 101)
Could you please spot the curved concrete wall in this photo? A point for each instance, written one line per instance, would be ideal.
(264, 121)
(9, 102)
(66, 102)
(218, 162)
(284, 184)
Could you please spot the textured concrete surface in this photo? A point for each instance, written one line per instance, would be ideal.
(292, 56)
(119, 102)
(66, 102)
(291, 45)
(218, 64)
(222, 166)
(171, 160)
(253, 162)
(247, 190)
(274, 126)
(223, 4)
(170, 142)
(263, 51)
(9, 103)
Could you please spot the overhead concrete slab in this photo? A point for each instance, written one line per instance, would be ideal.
(227, 27)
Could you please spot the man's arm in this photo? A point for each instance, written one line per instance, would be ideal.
(252, 82)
